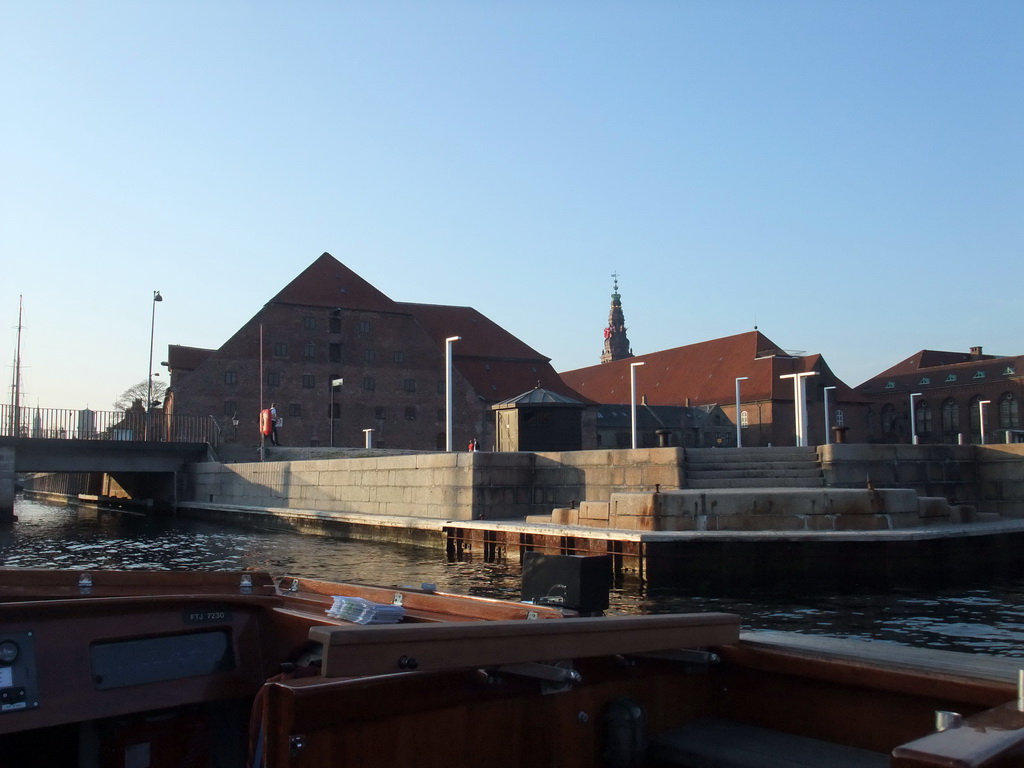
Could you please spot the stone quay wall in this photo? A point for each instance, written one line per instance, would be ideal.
(504, 486)
(452, 486)
(989, 478)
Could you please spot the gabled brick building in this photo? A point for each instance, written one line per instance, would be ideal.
(705, 374)
(953, 392)
(328, 324)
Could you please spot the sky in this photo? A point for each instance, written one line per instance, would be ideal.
(846, 175)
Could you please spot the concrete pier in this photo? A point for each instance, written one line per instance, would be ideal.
(6, 484)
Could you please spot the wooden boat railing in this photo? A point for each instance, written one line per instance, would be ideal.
(383, 649)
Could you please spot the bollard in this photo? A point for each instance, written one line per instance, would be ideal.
(945, 720)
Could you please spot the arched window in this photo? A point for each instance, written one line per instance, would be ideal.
(840, 419)
(744, 420)
(950, 416)
(1009, 411)
(974, 415)
(888, 418)
(923, 417)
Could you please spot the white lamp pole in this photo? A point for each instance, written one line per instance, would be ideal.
(913, 419)
(149, 373)
(981, 417)
(632, 397)
(800, 403)
(335, 383)
(448, 390)
(739, 436)
(827, 418)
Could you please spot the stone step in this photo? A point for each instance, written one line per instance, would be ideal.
(746, 455)
(764, 474)
(756, 482)
(758, 466)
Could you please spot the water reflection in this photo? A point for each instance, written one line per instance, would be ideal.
(989, 619)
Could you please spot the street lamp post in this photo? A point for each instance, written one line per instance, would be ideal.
(800, 403)
(448, 414)
(981, 418)
(335, 383)
(739, 436)
(632, 397)
(149, 371)
(913, 419)
(827, 418)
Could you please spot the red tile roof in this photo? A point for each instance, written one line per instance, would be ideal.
(329, 283)
(704, 373)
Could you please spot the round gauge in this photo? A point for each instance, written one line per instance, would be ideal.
(8, 652)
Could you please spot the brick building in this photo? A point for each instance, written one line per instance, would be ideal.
(705, 374)
(329, 324)
(952, 394)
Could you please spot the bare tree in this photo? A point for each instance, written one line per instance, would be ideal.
(139, 392)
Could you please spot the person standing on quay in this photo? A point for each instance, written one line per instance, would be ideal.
(273, 424)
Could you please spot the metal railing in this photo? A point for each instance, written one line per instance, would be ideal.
(87, 424)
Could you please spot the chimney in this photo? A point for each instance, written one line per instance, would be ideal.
(976, 351)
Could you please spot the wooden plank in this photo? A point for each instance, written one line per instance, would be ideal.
(979, 741)
(995, 668)
(383, 649)
(431, 603)
(715, 743)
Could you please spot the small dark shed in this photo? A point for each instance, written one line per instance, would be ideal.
(539, 420)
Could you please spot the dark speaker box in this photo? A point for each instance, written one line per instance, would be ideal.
(580, 583)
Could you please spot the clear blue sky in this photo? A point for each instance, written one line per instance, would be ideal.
(849, 176)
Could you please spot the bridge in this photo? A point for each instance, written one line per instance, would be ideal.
(139, 452)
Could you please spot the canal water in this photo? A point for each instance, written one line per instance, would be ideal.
(985, 618)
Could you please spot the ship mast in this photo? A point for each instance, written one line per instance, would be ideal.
(16, 386)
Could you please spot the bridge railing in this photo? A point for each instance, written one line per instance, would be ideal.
(87, 424)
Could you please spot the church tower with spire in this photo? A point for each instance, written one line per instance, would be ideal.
(616, 344)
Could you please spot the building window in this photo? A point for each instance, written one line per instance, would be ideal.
(230, 377)
(950, 416)
(273, 379)
(409, 385)
(410, 413)
(1009, 412)
(308, 381)
(840, 419)
(309, 323)
(334, 323)
(888, 418)
(369, 383)
(922, 418)
(974, 414)
(380, 413)
(364, 326)
(399, 357)
(369, 355)
(744, 420)
(295, 409)
(280, 349)
(334, 353)
(334, 410)
(309, 351)
(230, 407)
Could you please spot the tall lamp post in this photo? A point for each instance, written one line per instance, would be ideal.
(981, 418)
(448, 420)
(335, 383)
(827, 418)
(800, 403)
(632, 397)
(739, 435)
(913, 419)
(149, 371)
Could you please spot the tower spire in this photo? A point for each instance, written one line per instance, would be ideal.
(616, 343)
